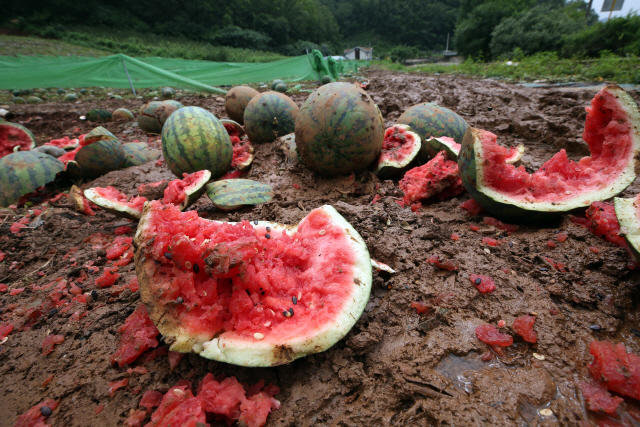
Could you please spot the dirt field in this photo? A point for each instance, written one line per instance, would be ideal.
(395, 367)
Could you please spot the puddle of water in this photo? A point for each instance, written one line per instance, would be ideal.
(455, 368)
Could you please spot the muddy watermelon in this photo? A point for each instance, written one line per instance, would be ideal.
(236, 101)
(23, 172)
(193, 139)
(168, 93)
(99, 158)
(612, 131)
(339, 130)
(277, 292)
(231, 194)
(13, 135)
(399, 148)
(138, 153)
(429, 120)
(154, 114)
(122, 114)
(269, 116)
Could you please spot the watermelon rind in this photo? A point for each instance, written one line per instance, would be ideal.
(113, 207)
(193, 139)
(98, 115)
(236, 101)
(428, 120)
(27, 134)
(195, 190)
(256, 353)
(387, 168)
(237, 126)
(122, 114)
(24, 171)
(232, 194)
(99, 134)
(138, 153)
(627, 214)
(432, 146)
(471, 167)
(269, 116)
(99, 158)
(517, 155)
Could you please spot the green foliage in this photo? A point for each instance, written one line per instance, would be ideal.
(402, 53)
(618, 35)
(237, 37)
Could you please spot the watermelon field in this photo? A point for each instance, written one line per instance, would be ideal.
(473, 318)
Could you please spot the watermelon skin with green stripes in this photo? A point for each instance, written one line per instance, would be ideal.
(23, 172)
(138, 153)
(12, 135)
(193, 139)
(231, 194)
(339, 130)
(98, 115)
(269, 116)
(431, 120)
(99, 158)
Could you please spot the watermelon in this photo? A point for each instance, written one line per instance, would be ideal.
(628, 215)
(98, 158)
(115, 202)
(326, 80)
(23, 172)
(18, 100)
(339, 130)
(79, 202)
(436, 144)
(168, 93)
(251, 294)
(51, 150)
(65, 143)
(154, 114)
(270, 115)
(70, 97)
(429, 120)
(438, 177)
(14, 135)
(98, 115)
(242, 149)
(184, 192)
(275, 83)
(612, 131)
(122, 114)
(399, 147)
(138, 153)
(236, 101)
(98, 134)
(281, 87)
(193, 139)
(614, 368)
(34, 100)
(231, 194)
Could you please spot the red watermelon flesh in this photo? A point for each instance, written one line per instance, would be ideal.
(178, 408)
(488, 334)
(137, 335)
(64, 142)
(602, 221)
(12, 136)
(252, 279)
(451, 141)
(398, 143)
(523, 326)
(608, 134)
(598, 398)
(614, 368)
(222, 398)
(33, 417)
(241, 153)
(69, 156)
(110, 193)
(176, 191)
(232, 130)
(438, 177)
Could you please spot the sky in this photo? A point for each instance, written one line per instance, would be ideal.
(628, 6)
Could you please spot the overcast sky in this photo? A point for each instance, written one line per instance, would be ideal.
(628, 6)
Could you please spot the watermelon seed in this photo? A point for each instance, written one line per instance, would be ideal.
(248, 292)
(188, 265)
(255, 222)
(262, 293)
(53, 312)
(291, 310)
(94, 295)
(167, 255)
(595, 327)
(180, 300)
(286, 314)
(478, 281)
(268, 236)
(268, 228)
(322, 232)
(45, 411)
(258, 336)
(196, 268)
(294, 299)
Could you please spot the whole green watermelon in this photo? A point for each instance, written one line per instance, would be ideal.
(23, 172)
(100, 157)
(269, 116)
(431, 120)
(193, 139)
(98, 115)
(339, 130)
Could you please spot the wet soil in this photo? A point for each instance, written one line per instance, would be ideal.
(395, 367)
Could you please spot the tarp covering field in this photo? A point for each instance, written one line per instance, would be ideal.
(23, 72)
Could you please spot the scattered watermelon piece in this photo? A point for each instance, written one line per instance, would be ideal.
(108, 278)
(614, 368)
(135, 419)
(174, 359)
(523, 326)
(484, 284)
(151, 399)
(488, 334)
(222, 398)
(125, 229)
(178, 408)
(115, 385)
(602, 221)
(447, 264)
(5, 330)
(255, 410)
(65, 142)
(491, 241)
(499, 224)
(49, 342)
(438, 177)
(455, 236)
(420, 307)
(120, 246)
(137, 335)
(472, 207)
(599, 399)
(33, 417)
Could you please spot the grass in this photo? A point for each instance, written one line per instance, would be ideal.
(545, 66)
(15, 45)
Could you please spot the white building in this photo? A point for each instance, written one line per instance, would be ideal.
(358, 52)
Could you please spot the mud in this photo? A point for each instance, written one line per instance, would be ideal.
(395, 367)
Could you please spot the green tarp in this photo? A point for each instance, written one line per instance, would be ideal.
(25, 72)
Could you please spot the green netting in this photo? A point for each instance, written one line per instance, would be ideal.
(25, 72)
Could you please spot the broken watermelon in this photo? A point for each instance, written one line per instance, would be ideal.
(432, 146)
(438, 177)
(628, 214)
(115, 202)
(399, 147)
(252, 294)
(612, 131)
(183, 192)
(13, 135)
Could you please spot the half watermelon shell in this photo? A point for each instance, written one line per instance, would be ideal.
(612, 131)
(251, 294)
(115, 202)
(432, 146)
(399, 147)
(13, 135)
(628, 214)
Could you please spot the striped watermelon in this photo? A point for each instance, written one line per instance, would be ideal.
(168, 93)
(429, 120)
(98, 134)
(23, 172)
(12, 135)
(339, 130)
(193, 139)
(154, 114)
(236, 101)
(269, 116)
(231, 194)
(138, 153)
(98, 115)
(122, 114)
(96, 159)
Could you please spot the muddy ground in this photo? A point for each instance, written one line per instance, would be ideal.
(395, 367)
